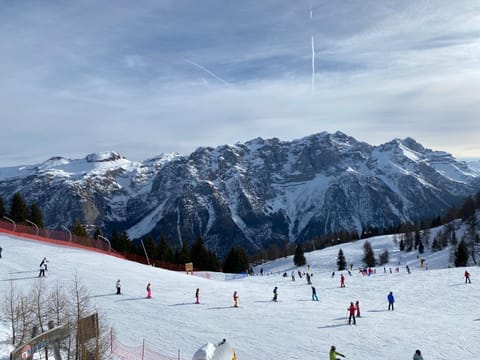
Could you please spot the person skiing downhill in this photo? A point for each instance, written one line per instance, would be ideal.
(314, 294)
(467, 277)
(235, 299)
(149, 291)
(417, 355)
(351, 311)
(357, 307)
(333, 353)
(275, 294)
(42, 270)
(118, 286)
(342, 280)
(197, 296)
(391, 300)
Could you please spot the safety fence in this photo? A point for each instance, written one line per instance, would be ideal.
(121, 351)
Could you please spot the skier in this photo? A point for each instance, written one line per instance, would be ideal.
(275, 293)
(293, 276)
(467, 277)
(42, 270)
(197, 296)
(149, 291)
(408, 268)
(334, 353)
(342, 280)
(357, 307)
(417, 355)
(351, 311)
(44, 263)
(309, 281)
(1, 252)
(235, 299)
(118, 286)
(314, 294)
(333, 274)
(391, 300)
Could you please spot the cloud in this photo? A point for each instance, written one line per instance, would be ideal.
(87, 76)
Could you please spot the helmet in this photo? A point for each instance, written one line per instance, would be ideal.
(333, 348)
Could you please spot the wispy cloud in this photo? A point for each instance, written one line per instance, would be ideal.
(92, 75)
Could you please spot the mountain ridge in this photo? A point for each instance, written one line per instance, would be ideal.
(250, 194)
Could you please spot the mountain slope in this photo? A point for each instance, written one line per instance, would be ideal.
(435, 311)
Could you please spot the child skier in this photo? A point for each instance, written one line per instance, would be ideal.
(149, 291)
(351, 311)
(197, 296)
(467, 277)
(235, 299)
(118, 286)
(333, 353)
(314, 294)
(275, 293)
(342, 280)
(357, 307)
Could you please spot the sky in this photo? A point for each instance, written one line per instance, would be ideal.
(79, 77)
(435, 311)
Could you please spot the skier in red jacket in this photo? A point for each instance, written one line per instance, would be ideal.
(342, 281)
(357, 307)
(351, 310)
(467, 277)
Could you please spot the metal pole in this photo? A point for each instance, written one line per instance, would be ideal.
(108, 241)
(148, 261)
(35, 225)
(13, 222)
(69, 233)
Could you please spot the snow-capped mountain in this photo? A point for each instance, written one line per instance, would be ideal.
(251, 194)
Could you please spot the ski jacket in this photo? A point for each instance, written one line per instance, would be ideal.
(417, 357)
(467, 274)
(390, 298)
(333, 355)
(351, 309)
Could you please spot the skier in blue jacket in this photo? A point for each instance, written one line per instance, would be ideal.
(391, 300)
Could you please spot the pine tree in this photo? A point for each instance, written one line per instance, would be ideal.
(341, 262)
(165, 252)
(383, 258)
(421, 248)
(461, 254)
(35, 215)
(78, 229)
(368, 255)
(299, 257)
(236, 261)
(18, 208)
(97, 233)
(2, 208)
(202, 258)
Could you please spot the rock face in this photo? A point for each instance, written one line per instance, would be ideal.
(250, 194)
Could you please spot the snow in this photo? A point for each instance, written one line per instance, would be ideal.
(435, 311)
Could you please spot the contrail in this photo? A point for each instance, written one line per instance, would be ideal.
(208, 72)
(313, 48)
(313, 63)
